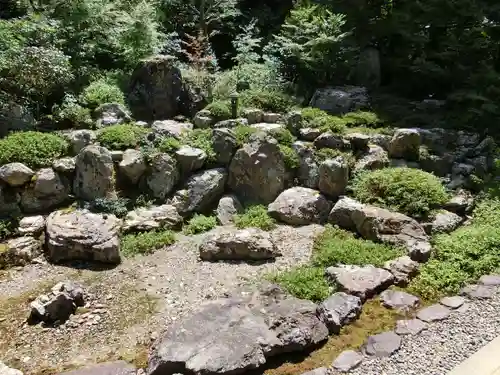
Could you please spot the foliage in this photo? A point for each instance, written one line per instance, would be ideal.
(220, 110)
(200, 224)
(70, 114)
(290, 157)
(7, 228)
(100, 92)
(256, 217)
(117, 206)
(266, 100)
(169, 145)
(146, 242)
(305, 282)
(202, 139)
(122, 136)
(407, 190)
(362, 118)
(317, 118)
(322, 154)
(35, 149)
(243, 133)
(283, 136)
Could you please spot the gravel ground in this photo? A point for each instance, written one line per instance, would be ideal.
(444, 344)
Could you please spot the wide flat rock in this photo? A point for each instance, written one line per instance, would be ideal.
(410, 327)
(477, 292)
(433, 313)
(452, 302)
(399, 300)
(107, 368)
(383, 344)
(347, 360)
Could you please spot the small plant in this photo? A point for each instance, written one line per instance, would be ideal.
(316, 118)
(35, 149)
(266, 100)
(202, 139)
(290, 157)
(243, 133)
(323, 154)
(116, 206)
(220, 110)
(305, 282)
(200, 224)
(7, 228)
(255, 216)
(101, 92)
(70, 114)
(146, 242)
(122, 137)
(169, 145)
(362, 118)
(407, 190)
(283, 136)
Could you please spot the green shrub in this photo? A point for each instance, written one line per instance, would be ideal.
(202, 139)
(169, 145)
(35, 149)
(266, 100)
(7, 228)
(70, 114)
(146, 242)
(200, 224)
(283, 136)
(116, 206)
(255, 216)
(243, 133)
(362, 118)
(319, 119)
(101, 92)
(323, 154)
(291, 158)
(407, 190)
(220, 110)
(336, 246)
(305, 282)
(122, 137)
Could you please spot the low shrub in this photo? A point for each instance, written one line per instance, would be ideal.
(116, 206)
(291, 158)
(200, 224)
(362, 118)
(7, 228)
(35, 149)
(305, 282)
(220, 110)
(407, 190)
(283, 136)
(146, 242)
(202, 139)
(100, 92)
(169, 145)
(316, 118)
(255, 216)
(243, 133)
(271, 101)
(122, 137)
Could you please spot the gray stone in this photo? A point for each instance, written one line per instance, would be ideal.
(403, 269)
(342, 212)
(171, 128)
(162, 176)
(150, 218)
(82, 235)
(106, 368)
(331, 140)
(461, 203)
(6, 370)
(340, 100)
(405, 144)
(31, 225)
(383, 344)
(57, 307)
(333, 177)
(363, 282)
(19, 251)
(64, 165)
(308, 171)
(440, 165)
(338, 310)
(111, 114)
(231, 123)
(490, 280)
(359, 141)
(477, 292)
(93, 173)
(300, 206)
(132, 165)
(433, 313)
(116, 155)
(203, 119)
(309, 134)
(253, 115)
(242, 244)
(225, 145)
(410, 327)
(452, 302)
(445, 222)
(271, 118)
(399, 300)
(317, 371)
(9, 201)
(79, 139)
(347, 361)
(402, 163)
(190, 159)
(268, 127)
(48, 191)
(228, 207)
(374, 158)
(16, 174)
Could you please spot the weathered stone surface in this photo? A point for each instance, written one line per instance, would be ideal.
(452, 302)
(47, 191)
(16, 174)
(440, 165)
(19, 251)
(268, 127)
(111, 114)
(132, 165)
(398, 300)
(6, 370)
(445, 222)
(338, 310)
(93, 173)
(490, 280)
(243, 244)
(190, 159)
(333, 177)
(31, 225)
(9, 200)
(162, 176)
(403, 269)
(405, 144)
(201, 191)
(203, 119)
(461, 203)
(309, 134)
(410, 327)
(359, 141)
(257, 165)
(477, 292)
(308, 171)
(228, 207)
(253, 115)
(363, 282)
(234, 335)
(149, 218)
(340, 100)
(106, 368)
(170, 128)
(347, 361)
(331, 140)
(82, 235)
(79, 139)
(300, 206)
(374, 158)
(383, 344)
(225, 145)
(271, 118)
(64, 165)
(317, 371)
(433, 313)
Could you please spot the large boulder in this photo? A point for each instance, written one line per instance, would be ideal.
(19, 251)
(229, 206)
(190, 159)
(79, 139)
(15, 174)
(333, 177)
(93, 173)
(225, 144)
(234, 335)
(155, 88)
(300, 206)
(405, 144)
(374, 158)
(257, 171)
(133, 165)
(150, 218)
(340, 100)
(308, 171)
(82, 235)
(48, 190)
(162, 176)
(242, 244)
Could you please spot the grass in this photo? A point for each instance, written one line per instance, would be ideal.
(122, 137)
(146, 243)
(255, 216)
(200, 224)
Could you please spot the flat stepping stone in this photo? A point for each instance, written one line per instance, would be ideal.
(347, 360)
(383, 345)
(410, 327)
(452, 302)
(434, 313)
(477, 292)
(338, 310)
(399, 300)
(318, 371)
(490, 280)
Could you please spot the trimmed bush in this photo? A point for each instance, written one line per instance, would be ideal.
(305, 282)
(220, 110)
(316, 118)
(201, 138)
(122, 137)
(283, 136)
(116, 206)
(255, 216)
(362, 118)
(101, 92)
(70, 114)
(35, 149)
(271, 101)
(407, 190)
(200, 224)
(169, 145)
(291, 158)
(146, 242)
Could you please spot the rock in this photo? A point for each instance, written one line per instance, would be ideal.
(201, 191)
(150, 218)
(405, 144)
(232, 336)
(363, 282)
(271, 118)
(106, 368)
(398, 300)
(93, 173)
(402, 163)
(228, 207)
(461, 203)
(64, 165)
(477, 292)
(383, 344)
(255, 165)
(340, 100)
(347, 361)
(6, 370)
(300, 206)
(318, 371)
(359, 141)
(9, 201)
(31, 225)
(116, 155)
(132, 165)
(171, 128)
(225, 144)
(331, 140)
(203, 119)
(452, 302)
(308, 171)
(47, 191)
(339, 310)
(243, 244)
(82, 235)
(403, 269)
(445, 222)
(268, 127)
(490, 280)
(190, 159)
(16, 174)
(79, 139)
(410, 327)
(375, 158)
(462, 169)
(333, 177)
(111, 114)
(440, 165)
(309, 134)
(155, 86)
(254, 115)
(231, 123)
(381, 140)
(162, 176)
(19, 251)
(342, 211)
(73, 290)
(433, 313)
